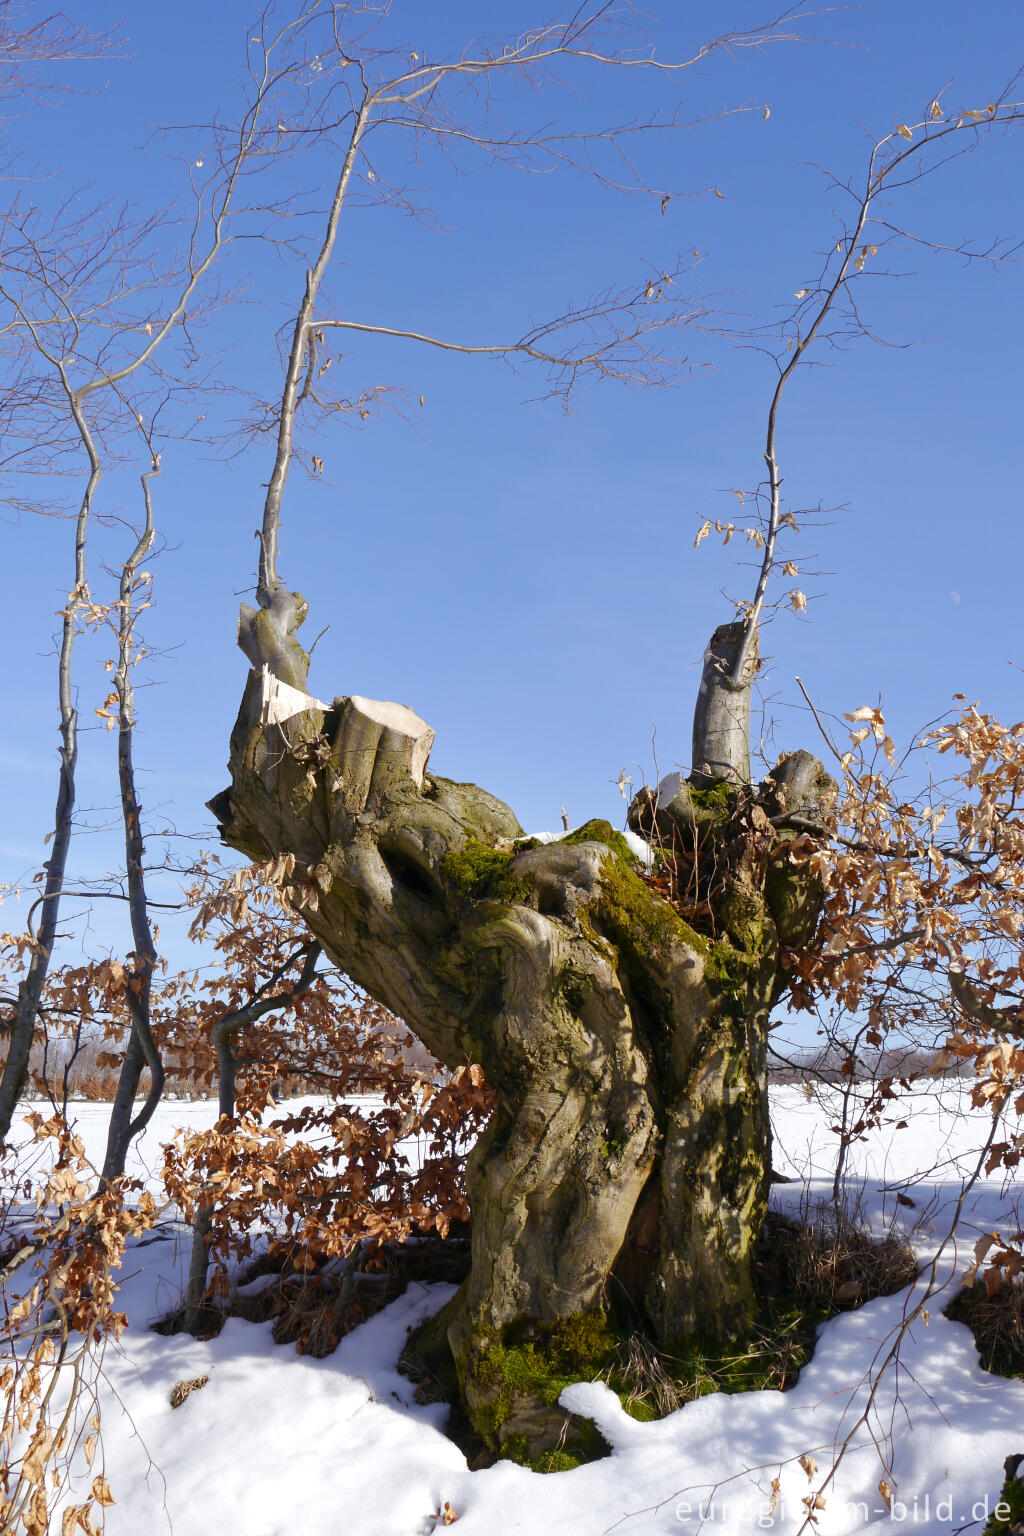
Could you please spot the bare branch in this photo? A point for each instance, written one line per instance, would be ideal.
(901, 158)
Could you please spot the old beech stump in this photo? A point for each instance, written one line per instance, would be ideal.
(625, 1172)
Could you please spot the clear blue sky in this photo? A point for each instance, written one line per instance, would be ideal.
(525, 579)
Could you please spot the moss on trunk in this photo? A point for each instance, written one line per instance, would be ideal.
(627, 1163)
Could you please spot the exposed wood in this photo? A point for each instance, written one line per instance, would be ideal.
(378, 742)
(801, 789)
(279, 701)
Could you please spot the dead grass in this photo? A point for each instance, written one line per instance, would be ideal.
(997, 1323)
(830, 1262)
(641, 1379)
(315, 1311)
(807, 1270)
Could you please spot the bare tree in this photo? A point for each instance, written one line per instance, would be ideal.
(620, 335)
(97, 304)
(623, 1030)
(93, 300)
(30, 49)
(141, 1049)
(32, 45)
(628, 1156)
(622, 1015)
(828, 315)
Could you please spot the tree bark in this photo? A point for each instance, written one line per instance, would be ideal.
(141, 1050)
(626, 1168)
(721, 719)
(21, 1025)
(267, 635)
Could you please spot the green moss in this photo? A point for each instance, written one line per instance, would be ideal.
(536, 1361)
(736, 957)
(517, 1448)
(548, 1356)
(555, 1461)
(599, 831)
(480, 872)
(742, 915)
(1011, 1499)
(727, 965)
(639, 922)
(718, 798)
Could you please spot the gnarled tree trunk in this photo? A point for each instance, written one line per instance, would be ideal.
(627, 1164)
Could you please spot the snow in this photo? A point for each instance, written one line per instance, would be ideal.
(277, 1444)
(642, 850)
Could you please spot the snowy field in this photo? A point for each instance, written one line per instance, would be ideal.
(278, 1444)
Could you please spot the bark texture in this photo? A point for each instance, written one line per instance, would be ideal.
(268, 635)
(626, 1168)
(721, 719)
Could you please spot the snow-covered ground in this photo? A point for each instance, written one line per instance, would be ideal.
(278, 1444)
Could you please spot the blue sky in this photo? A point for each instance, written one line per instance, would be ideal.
(524, 579)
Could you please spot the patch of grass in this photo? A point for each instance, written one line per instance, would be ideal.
(829, 1263)
(652, 1383)
(806, 1272)
(997, 1323)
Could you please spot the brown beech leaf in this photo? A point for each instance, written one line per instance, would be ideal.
(101, 1490)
